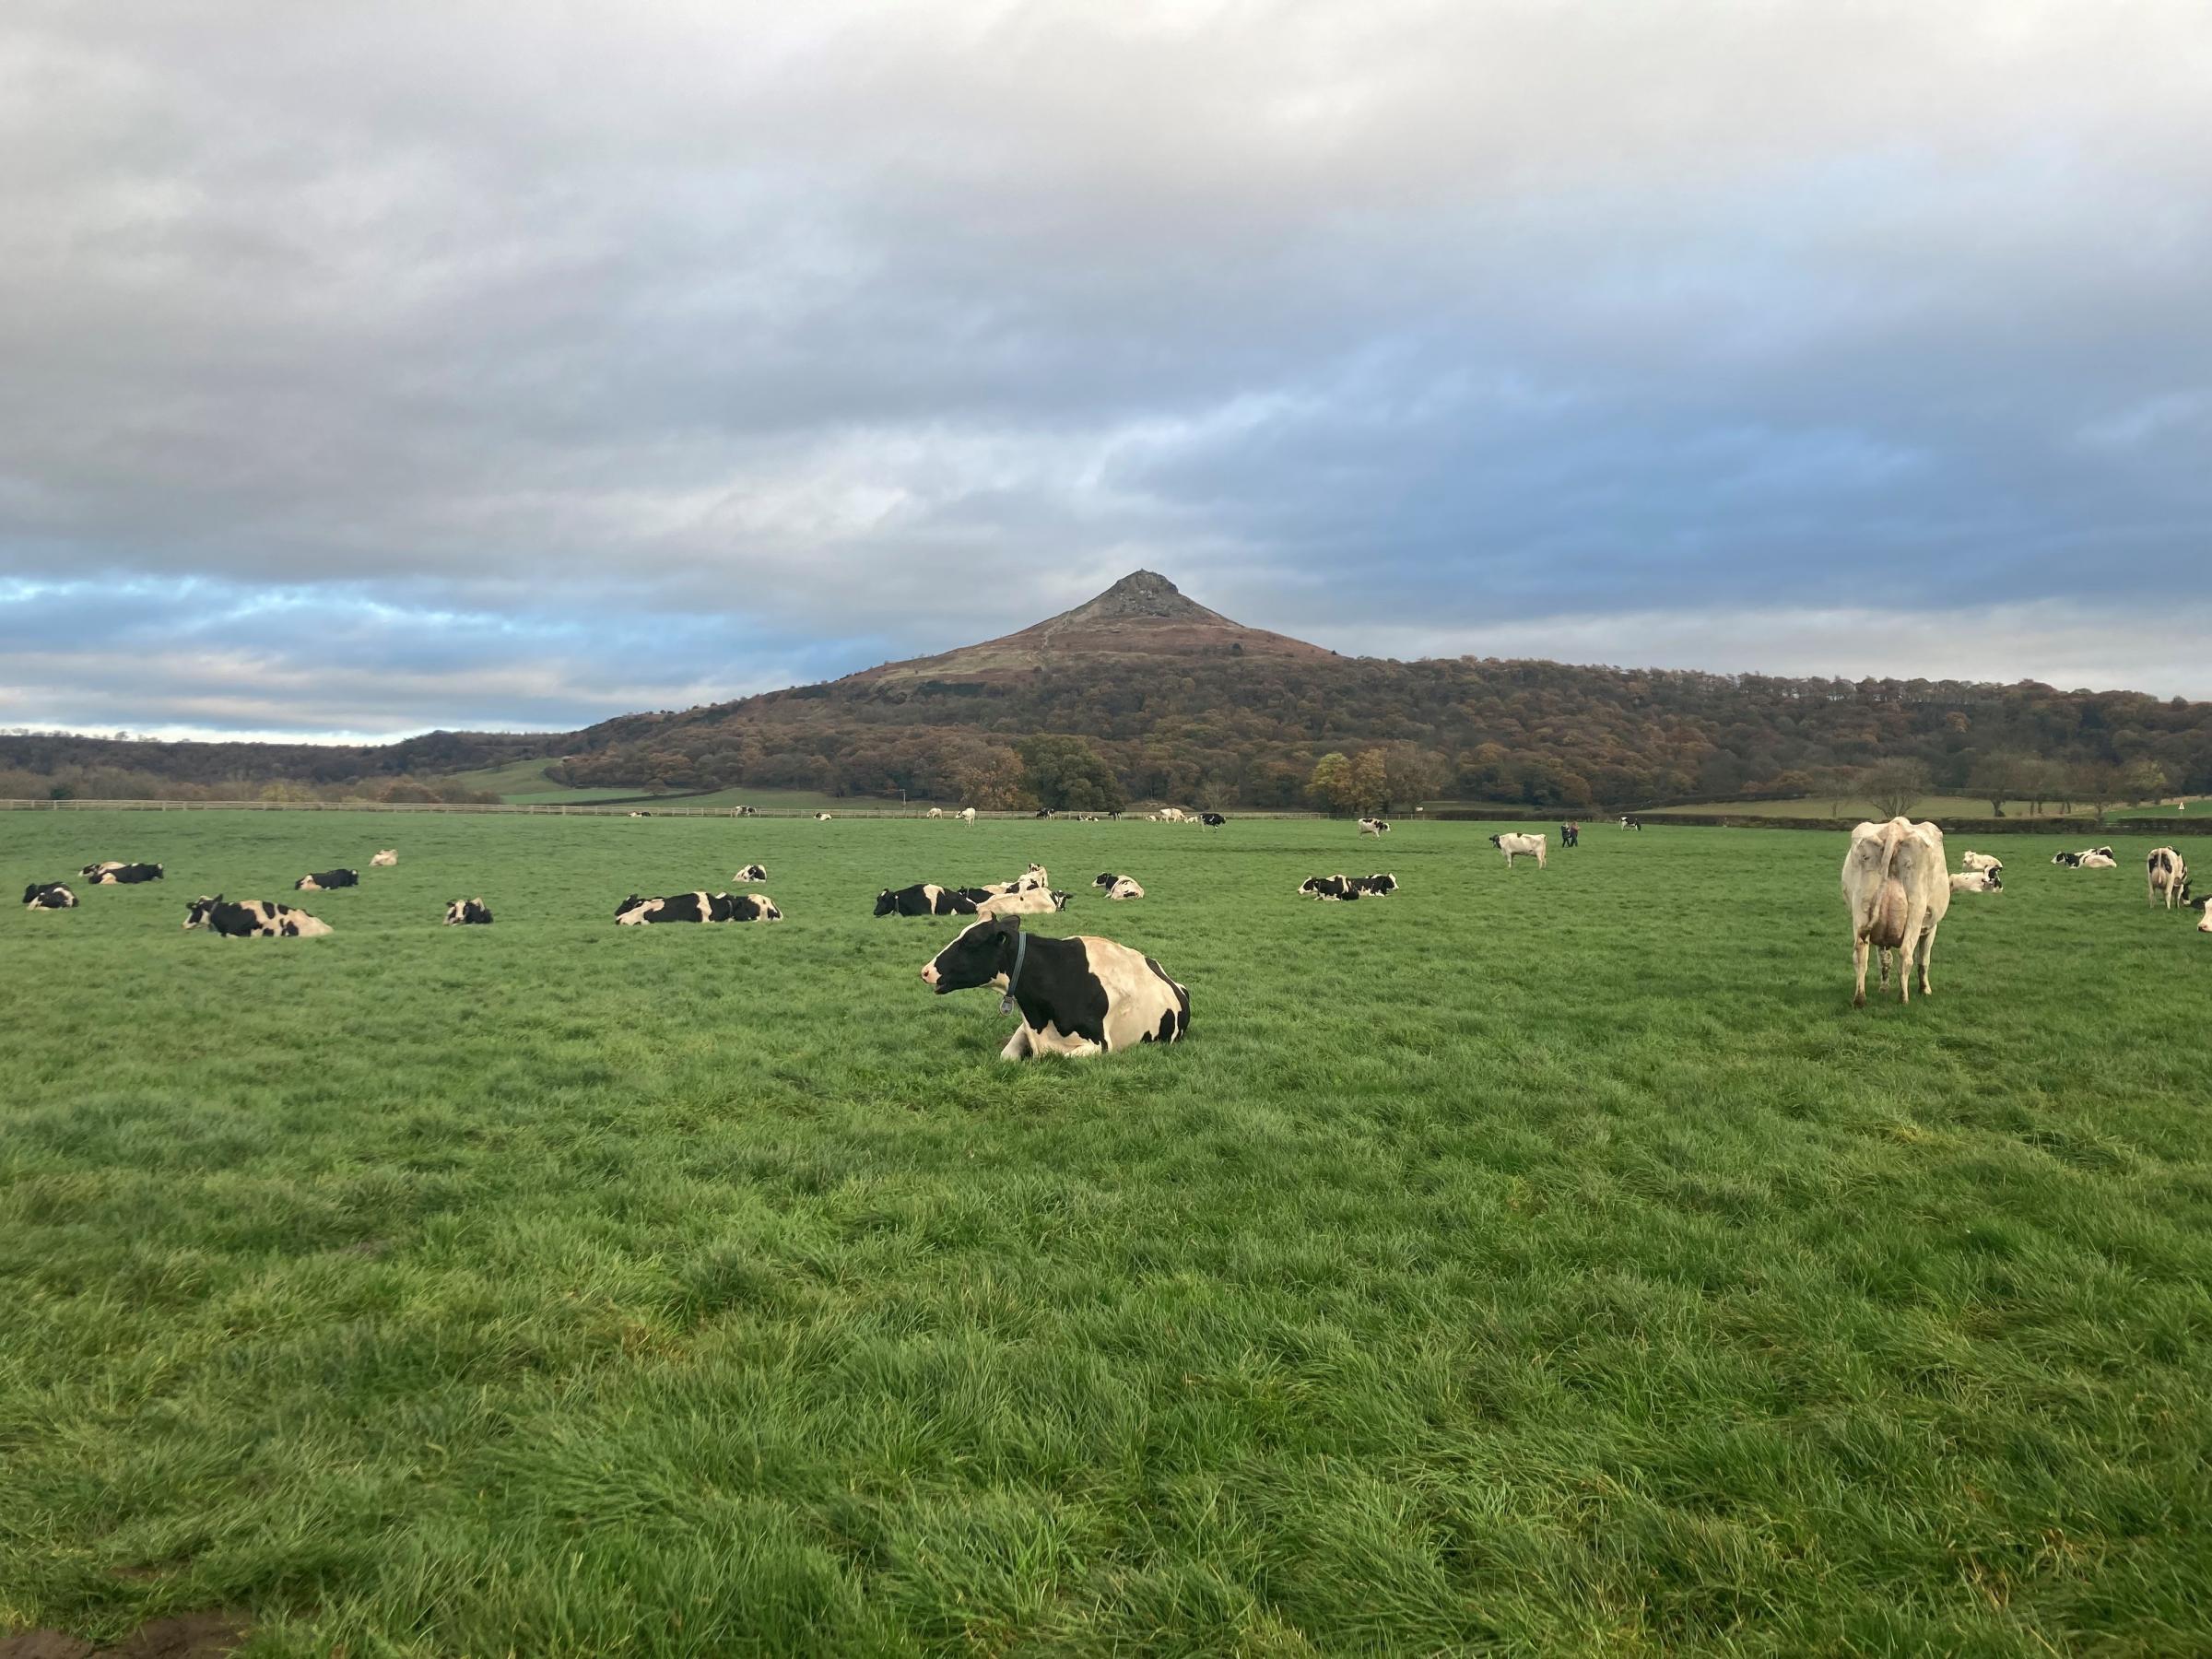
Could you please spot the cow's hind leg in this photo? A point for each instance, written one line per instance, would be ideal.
(1927, 949)
(1858, 962)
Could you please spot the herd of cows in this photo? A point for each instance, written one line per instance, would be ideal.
(1898, 887)
(1084, 994)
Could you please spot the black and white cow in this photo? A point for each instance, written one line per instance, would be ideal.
(2089, 858)
(1631, 823)
(752, 872)
(1125, 887)
(254, 919)
(1377, 886)
(1031, 901)
(924, 899)
(2167, 878)
(1042, 812)
(468, 912)
(123, 874)
(1338, 888)
(1079, 995)
(48, 895)
(1373, 826)
(1212, 820)
(323, 881)
(1104, 879)
(91, 870)
(697, 907)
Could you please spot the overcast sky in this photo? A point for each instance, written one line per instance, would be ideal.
(370, 369)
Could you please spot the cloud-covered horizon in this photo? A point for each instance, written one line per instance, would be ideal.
(450, 366)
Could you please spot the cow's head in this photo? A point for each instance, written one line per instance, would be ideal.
(885, 903)
(627, 905)
(200, 911)
(1383, 884)
(1996, 882)
(1060, 900)
(983, 954)
(1496, 842)
(2204, 921)
(1105, 878)
(767, 910)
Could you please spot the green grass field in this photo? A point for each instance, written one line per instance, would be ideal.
(1544, 1261)
(524, 783)
(1935, 806)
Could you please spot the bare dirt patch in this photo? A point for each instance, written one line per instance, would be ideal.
(187, 1636)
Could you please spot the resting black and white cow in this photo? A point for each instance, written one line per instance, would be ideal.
(123, 874)
(924, 899)
(91, 870)
(2089, 858)
(1080, 995)
(1338, 888)
(1104, 879)
(752, 872)
(2204, 921)
(1212, 820)
(323, 881)
(1031, 902)
(254, 919)
(1373, 826)
(821, 817)
(1376, 887)
(468, 912)
(1520, 846)
(1032, 879)
(697, 907)
(48, 895)
(1123, 888)
(2168, 877)
(1978, 881)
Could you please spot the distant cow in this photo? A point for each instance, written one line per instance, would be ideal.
(924, 899)
(1104, 879)
(968, 816)
(1212, 820)
(821, 817)
(1030, 879)
(1520, 846)
(1898, 891)
(2167, 878)
(468, 912)
(934, 812)
(1032, 901)
(1076, 996)
(1631, 823)
(1979, 861)
(2079, 861)
(1169, 815)
(741, 812)
(751, 872)
(100, 869)
(254, 919)
(1125, 889)
(1042, 812)
(697, 907)
(1977, 881)
(48, 895)
(322, 881)
(1334, 888)
(388, 856)
(1371, 826)
(115, 874)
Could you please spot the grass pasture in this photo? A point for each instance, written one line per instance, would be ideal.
(1546, 1260)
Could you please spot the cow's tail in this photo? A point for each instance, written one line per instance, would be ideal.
(1883, 923)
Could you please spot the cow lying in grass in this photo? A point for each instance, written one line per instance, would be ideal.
(385, 859)
(468, 912)
(48, 895)
(752, 872)
(323, 880)
(254, 919)
(924, 899)
(1032, 901)
(1076, 996)
(1977, 881)
(697, 907)
(1125, 887)
(1341, 887)
(1970, 860)
(121, 875)
(2089, 858)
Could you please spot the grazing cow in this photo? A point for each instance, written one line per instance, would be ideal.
(741, 812)
(1520, 846)
(1898, 891)
(100, 869)
(1125, 889)
(48, 895)
(115, 874)
(934, 812)
(968, 816)
(1042, 812)
(698, 907)
(1979, 861)
(1373, 826)
(322, 881)
(382, 860)
(751, 872)
(1169, 815)
(468, 912)
(1035, 901)
(924, 899)
(1977, 881)
(1080, 995)
(2204, 921)
(1212, 820)
(2168, 877)
(254, 919)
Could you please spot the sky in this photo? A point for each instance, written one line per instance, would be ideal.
(369, 370)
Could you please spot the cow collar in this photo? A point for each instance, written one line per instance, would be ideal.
(1021, 949)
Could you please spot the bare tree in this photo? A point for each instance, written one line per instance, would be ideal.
(1894, 787)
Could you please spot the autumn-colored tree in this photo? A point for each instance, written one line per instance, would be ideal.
(1371, 780)
(997, 780)
(1330, 787)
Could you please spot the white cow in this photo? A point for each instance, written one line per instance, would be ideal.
(2204, 922)
(968, 816)
(1895, 886)
(1169, 815)
(1031, 901)
(388, 856)
(1520, 846)
(2168, 875)
(821, 817)
(937, 812)
(1125, 889)
(1977, 881)
(1979, 861)
(2098, 861)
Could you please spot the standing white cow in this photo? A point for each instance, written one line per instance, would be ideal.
(2168, 875)
(937, 812)
(968, 816)
(1520, 846)
(1898, 892)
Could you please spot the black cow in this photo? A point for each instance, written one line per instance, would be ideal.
(924, 899)
(48, 895)
(125, 875)
(254, 919)
(1212, 820)
(322, 881)
(1079, 995)
(698, 907)
(468, 912)
(751, 872)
